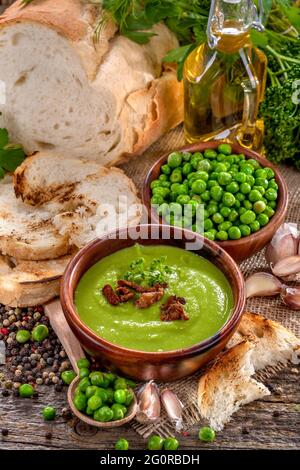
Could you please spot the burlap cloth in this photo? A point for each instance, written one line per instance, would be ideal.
(271, 308)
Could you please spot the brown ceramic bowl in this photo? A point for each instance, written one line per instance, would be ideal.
(141, 365)
(247, 246)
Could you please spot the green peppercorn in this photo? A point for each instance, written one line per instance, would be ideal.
(206, 434)
(122, 444)
(67, 376)
(80, 401)
(84, 372)
(171, 443)
(83, 363)
(26, 391)
(39, 333)
(49, 413)
(94, 402)
(104, 414)
(155, 443)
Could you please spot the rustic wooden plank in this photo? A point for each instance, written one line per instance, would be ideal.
(272, 423)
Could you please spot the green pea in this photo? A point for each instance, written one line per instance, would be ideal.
(23, 336)
(208, 224)
(210, 153)
(233, 216)
(217, 218)
(118, 406)
(120, 383)
(241, 157)
(248, 217)
(259, 207)
(222, 235)
(129, 397)
(187, 169)
(247, 204)
(245, 230)
(83, 363)
(234, 233)
(176, 176)
(186, 156)
(84, 384)
(154, 184)
(224, 178)
(216, 193)
(263, 219)
(196, 158)
(272, 204)
(183, 199)
(233, 187)
(171, 443)
(176, 210)
(166, 184)
(166, 169)
(240, 177)
(104, 414)
(250, 180)
(255, 226)
(49, 413)
(225, 149)
(221, 168)
(67, 376)
(262, 182)
(224, 226)
(163, 209)
(212, 209)
(272, 184)
(234, 168)
(225, 211)
(212, 184)
(122, 444)
(201, 175)
(261, 189)
(198, 186)
(245, 188)
(228, 199)
(26, 391)
(254, 163)
(155, 443)
(271, 194)
(89, 412)
(90, 391)
(157, 199)
(80, 401)
(213, 176)
(269, 211)
(209, 235)
(240, 197)
(242, 210)
(163, 178)
(175, 187)
(174, 159)
(39, 333)
(94, 402)
(110, 395)
(194, 205)
(237, 204)
(204, 165)
(247, 169)
(261, 173)
(206, 434)
(120, 396)
(254, 195)
(97, 378)
(84, 372)
(269, 173)
(102, 393)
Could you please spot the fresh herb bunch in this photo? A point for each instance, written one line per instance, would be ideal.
(157, 272)
(11, 156)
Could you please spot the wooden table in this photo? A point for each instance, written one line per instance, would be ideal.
(272, 423)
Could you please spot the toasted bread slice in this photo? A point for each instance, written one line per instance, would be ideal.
(65, 203)
(273, 342)
(228, 385)
(30, 283)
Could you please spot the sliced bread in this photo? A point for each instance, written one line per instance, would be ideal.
(228, 385)
(30, 283)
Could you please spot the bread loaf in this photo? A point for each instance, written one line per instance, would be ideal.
(65, 93)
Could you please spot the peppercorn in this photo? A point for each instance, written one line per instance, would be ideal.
(4, 432)
(48, 435)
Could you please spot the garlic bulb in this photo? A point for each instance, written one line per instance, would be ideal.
(262, 284)
(148, 403)
(284, 243)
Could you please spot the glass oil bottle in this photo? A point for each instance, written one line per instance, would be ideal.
(225, 78)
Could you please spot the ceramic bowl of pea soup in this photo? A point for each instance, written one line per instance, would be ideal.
(245, 198)
(153, 307)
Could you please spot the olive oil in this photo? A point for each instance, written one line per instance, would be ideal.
(224, 79)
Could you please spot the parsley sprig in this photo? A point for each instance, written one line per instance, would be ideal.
(11, 155)
(156, 273)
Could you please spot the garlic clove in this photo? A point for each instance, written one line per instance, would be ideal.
(173, 407)
(280, 248)
(262, 285)
(148, 403)
(291, 297)
(287, 266)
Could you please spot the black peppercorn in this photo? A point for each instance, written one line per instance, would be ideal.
(4, 432)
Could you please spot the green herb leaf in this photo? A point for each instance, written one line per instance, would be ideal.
(179, 56)
(3, 138)
(141, 37)
(11, 158)
(2, 173)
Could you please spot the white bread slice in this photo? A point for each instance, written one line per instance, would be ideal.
(65, 93)
(273, 342)
(228, 385)
(30, 283)
(76, 202)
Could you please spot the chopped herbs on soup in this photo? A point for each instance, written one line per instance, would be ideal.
(192, 289)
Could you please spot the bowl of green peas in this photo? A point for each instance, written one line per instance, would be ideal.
(230, 194)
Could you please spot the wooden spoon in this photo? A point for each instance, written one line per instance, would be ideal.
(75, 352)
